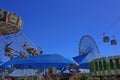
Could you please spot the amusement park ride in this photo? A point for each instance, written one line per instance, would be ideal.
(14, 43)
(10, 25)
(88, 46)
(106, 39)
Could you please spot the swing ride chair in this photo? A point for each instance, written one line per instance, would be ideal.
(23, 55)
(8, 52)
(30, 50)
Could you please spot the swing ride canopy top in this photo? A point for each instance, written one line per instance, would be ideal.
(10, 23)
(40, 61)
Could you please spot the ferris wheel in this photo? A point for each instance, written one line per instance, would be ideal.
(87, 45)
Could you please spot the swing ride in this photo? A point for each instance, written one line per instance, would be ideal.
(14, 43)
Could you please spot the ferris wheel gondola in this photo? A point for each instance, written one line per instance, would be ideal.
(105, 38)
(113, 41)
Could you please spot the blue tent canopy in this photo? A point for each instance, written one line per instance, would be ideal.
(40, 61)
(79, 58)
(84, 65)
(84, 59)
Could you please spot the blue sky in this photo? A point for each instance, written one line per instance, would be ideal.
(58, 25)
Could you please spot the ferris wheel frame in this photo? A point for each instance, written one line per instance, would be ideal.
(80, 44)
